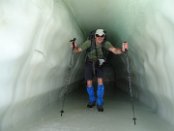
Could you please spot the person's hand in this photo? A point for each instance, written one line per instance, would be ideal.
(73, 45)
(125, 46)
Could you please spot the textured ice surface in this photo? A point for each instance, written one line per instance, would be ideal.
(116, 116)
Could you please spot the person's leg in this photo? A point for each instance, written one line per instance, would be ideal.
(91, 94)
(89, 88)
(100, 94)
(100, 88)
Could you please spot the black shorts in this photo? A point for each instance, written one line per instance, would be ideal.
(89, 73)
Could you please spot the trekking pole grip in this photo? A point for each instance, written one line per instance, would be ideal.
(126, 46)
(73, 43)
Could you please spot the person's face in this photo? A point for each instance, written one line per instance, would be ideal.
(99, 39)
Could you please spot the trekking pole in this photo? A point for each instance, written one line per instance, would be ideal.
(68, 77)
(73, 43)
(130, 87)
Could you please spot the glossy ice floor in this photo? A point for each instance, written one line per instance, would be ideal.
(117, 116)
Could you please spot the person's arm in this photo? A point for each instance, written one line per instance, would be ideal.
(116, 51)
(82, 47)
(119, 50)
(77, 49)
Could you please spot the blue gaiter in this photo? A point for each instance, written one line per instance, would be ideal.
(100, 94)
(90, 91)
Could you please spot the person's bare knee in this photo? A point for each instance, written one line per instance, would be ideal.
(89, 83)
(100, 81)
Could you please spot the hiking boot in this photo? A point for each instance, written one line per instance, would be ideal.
(91, 105)
(100, 108)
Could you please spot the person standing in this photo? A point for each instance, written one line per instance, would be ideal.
(94, 65)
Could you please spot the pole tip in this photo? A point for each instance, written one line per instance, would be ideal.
(134, 119)
(62, 111)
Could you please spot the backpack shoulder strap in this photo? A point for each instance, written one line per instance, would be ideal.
(105, 51)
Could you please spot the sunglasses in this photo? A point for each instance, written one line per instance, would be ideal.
(99, 35)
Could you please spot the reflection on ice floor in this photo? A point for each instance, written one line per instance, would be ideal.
(117, 116)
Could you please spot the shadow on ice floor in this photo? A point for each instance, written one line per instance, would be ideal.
(117, 116)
